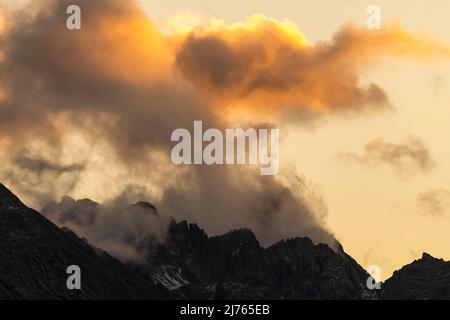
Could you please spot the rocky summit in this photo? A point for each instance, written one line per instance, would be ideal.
(235, 266)
(426, 278)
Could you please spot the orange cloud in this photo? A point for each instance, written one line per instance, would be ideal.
(122, 66)
(123, 82)
(262, 65)
(265, 64)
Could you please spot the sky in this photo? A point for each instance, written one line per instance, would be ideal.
(378, 161)
(373, 212)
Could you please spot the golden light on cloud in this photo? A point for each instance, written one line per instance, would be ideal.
(2, 22)
(268, 65)
(261, 67)
(129, 47)
(126, 82)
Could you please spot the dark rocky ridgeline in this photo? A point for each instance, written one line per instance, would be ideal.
(35, 253)
(235, 266)
(34, 256)
(424, 279)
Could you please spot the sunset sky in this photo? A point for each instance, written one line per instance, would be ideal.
(377, 155)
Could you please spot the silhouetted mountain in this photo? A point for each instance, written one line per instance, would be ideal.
(189, 264)
(235, 266)
(35, 254)
(425, 278)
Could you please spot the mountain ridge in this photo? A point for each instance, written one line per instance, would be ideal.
(35, 255)
(189, 264)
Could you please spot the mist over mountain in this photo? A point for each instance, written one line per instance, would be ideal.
(35, 255)
(187, 263)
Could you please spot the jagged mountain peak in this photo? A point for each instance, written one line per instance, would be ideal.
(236, 265)
(424, 278)
(185, 231)
(238, 238)
(428, 258)
(426, 255)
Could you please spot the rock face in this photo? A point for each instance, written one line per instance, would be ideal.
(426, 278)
(234, 266)
(35, 254)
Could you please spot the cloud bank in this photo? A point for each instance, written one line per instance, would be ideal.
(95, 107)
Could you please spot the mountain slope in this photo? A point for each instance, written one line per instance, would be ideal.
(35, 255)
